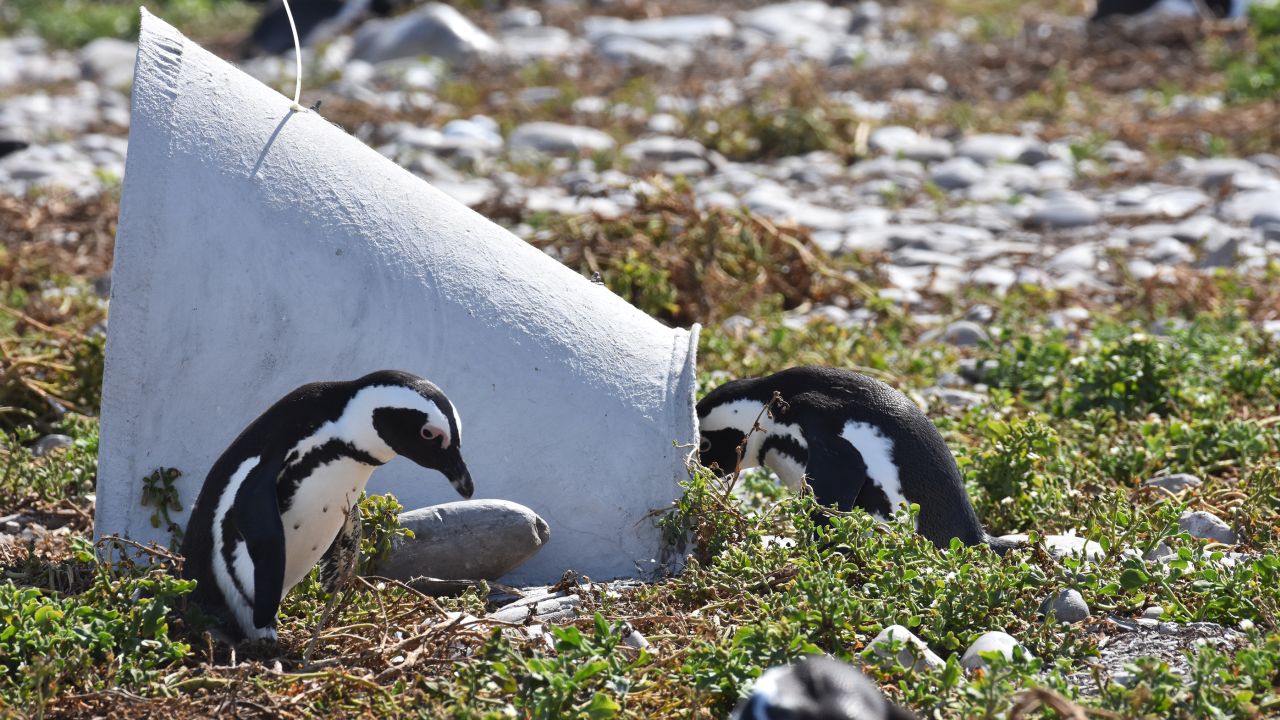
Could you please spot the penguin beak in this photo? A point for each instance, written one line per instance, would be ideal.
(460, 478)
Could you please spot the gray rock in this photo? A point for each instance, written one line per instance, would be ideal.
(1169, 251)
(914, 653)
(1155, 612)
(49, 443)
(435, 29)
(997, 277)
(901, 141)
(1174, 483)
(108, 61)
(559, 139)
(627, 50)
(1222, 254)
(1060, 546)
(1255, 207)
(955, 397)
(1212, 172)
(965, 333)
(519, 17)
(541, 42)
(808, 27)
(691, 29)
(995, 641)
(664, 148)
(1066, 606)
(1065, 210)
(1207, 526)
(992, 148)
(957, 173)
(1160, 553)
(469, 540)
(540, 607)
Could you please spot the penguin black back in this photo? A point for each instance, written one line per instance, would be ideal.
(855, 440)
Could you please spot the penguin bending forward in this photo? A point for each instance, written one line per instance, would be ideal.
(283, 496)
(856, 441)
(817, 688)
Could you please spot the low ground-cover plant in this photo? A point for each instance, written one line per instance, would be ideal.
(114, 633)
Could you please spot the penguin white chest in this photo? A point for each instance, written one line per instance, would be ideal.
(316, 514)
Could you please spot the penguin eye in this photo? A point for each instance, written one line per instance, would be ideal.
(704, 445)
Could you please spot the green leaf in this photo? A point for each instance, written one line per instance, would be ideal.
(1133, 578)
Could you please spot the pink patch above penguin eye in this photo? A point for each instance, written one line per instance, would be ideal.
(432, 432)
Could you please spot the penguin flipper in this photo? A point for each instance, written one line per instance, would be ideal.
(338, 565)
(257, 516)
(834, 469)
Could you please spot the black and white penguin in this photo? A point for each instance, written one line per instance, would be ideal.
(856, 441)
(283, 496)
(817, 688)
(1172, 8)
(316, 20)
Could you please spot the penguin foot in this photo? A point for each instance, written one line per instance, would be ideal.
(1001, 546)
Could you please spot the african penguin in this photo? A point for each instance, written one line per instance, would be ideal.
(817, 688)
(317, 21)
(1172, 8)
(282, 497)
(856, 441)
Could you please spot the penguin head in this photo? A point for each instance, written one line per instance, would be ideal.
(817, 688)
(725, 416)
(425, 429)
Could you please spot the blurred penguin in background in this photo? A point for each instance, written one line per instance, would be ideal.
(317, 20)
(817, 688)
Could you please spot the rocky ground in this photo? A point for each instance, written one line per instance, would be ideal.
(924, 152)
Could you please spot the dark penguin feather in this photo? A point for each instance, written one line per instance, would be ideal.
(821, 402)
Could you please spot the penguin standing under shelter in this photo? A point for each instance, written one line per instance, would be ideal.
(856, 441)
(283, 496)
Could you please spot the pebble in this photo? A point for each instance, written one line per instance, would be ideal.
(558, 139)
(1253, 207)
(1066, 210)
(50, 443)
(540, 607)
(466, 540)
(434, 29)
(664, 148)
(995, 641)
(992, 148)
(965, 333)
(1154, 612)
(1207, 526)
(957, 173)
(690, 29)
(1174, 483)
(1066, 606)
(914, 654)
(108, 61)
(900, 141)
(1061, 546)
(519, 17)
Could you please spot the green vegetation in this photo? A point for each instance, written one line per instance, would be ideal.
(1178, 378)
(72, 23)
(1256, 75)
(1163, 376)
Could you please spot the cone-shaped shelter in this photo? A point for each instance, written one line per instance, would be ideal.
(260, 249)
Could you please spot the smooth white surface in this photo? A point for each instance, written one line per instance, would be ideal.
(259, 249)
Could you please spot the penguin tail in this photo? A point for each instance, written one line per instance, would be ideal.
(1001, 546)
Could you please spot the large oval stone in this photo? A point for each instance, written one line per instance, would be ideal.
(469, 540)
